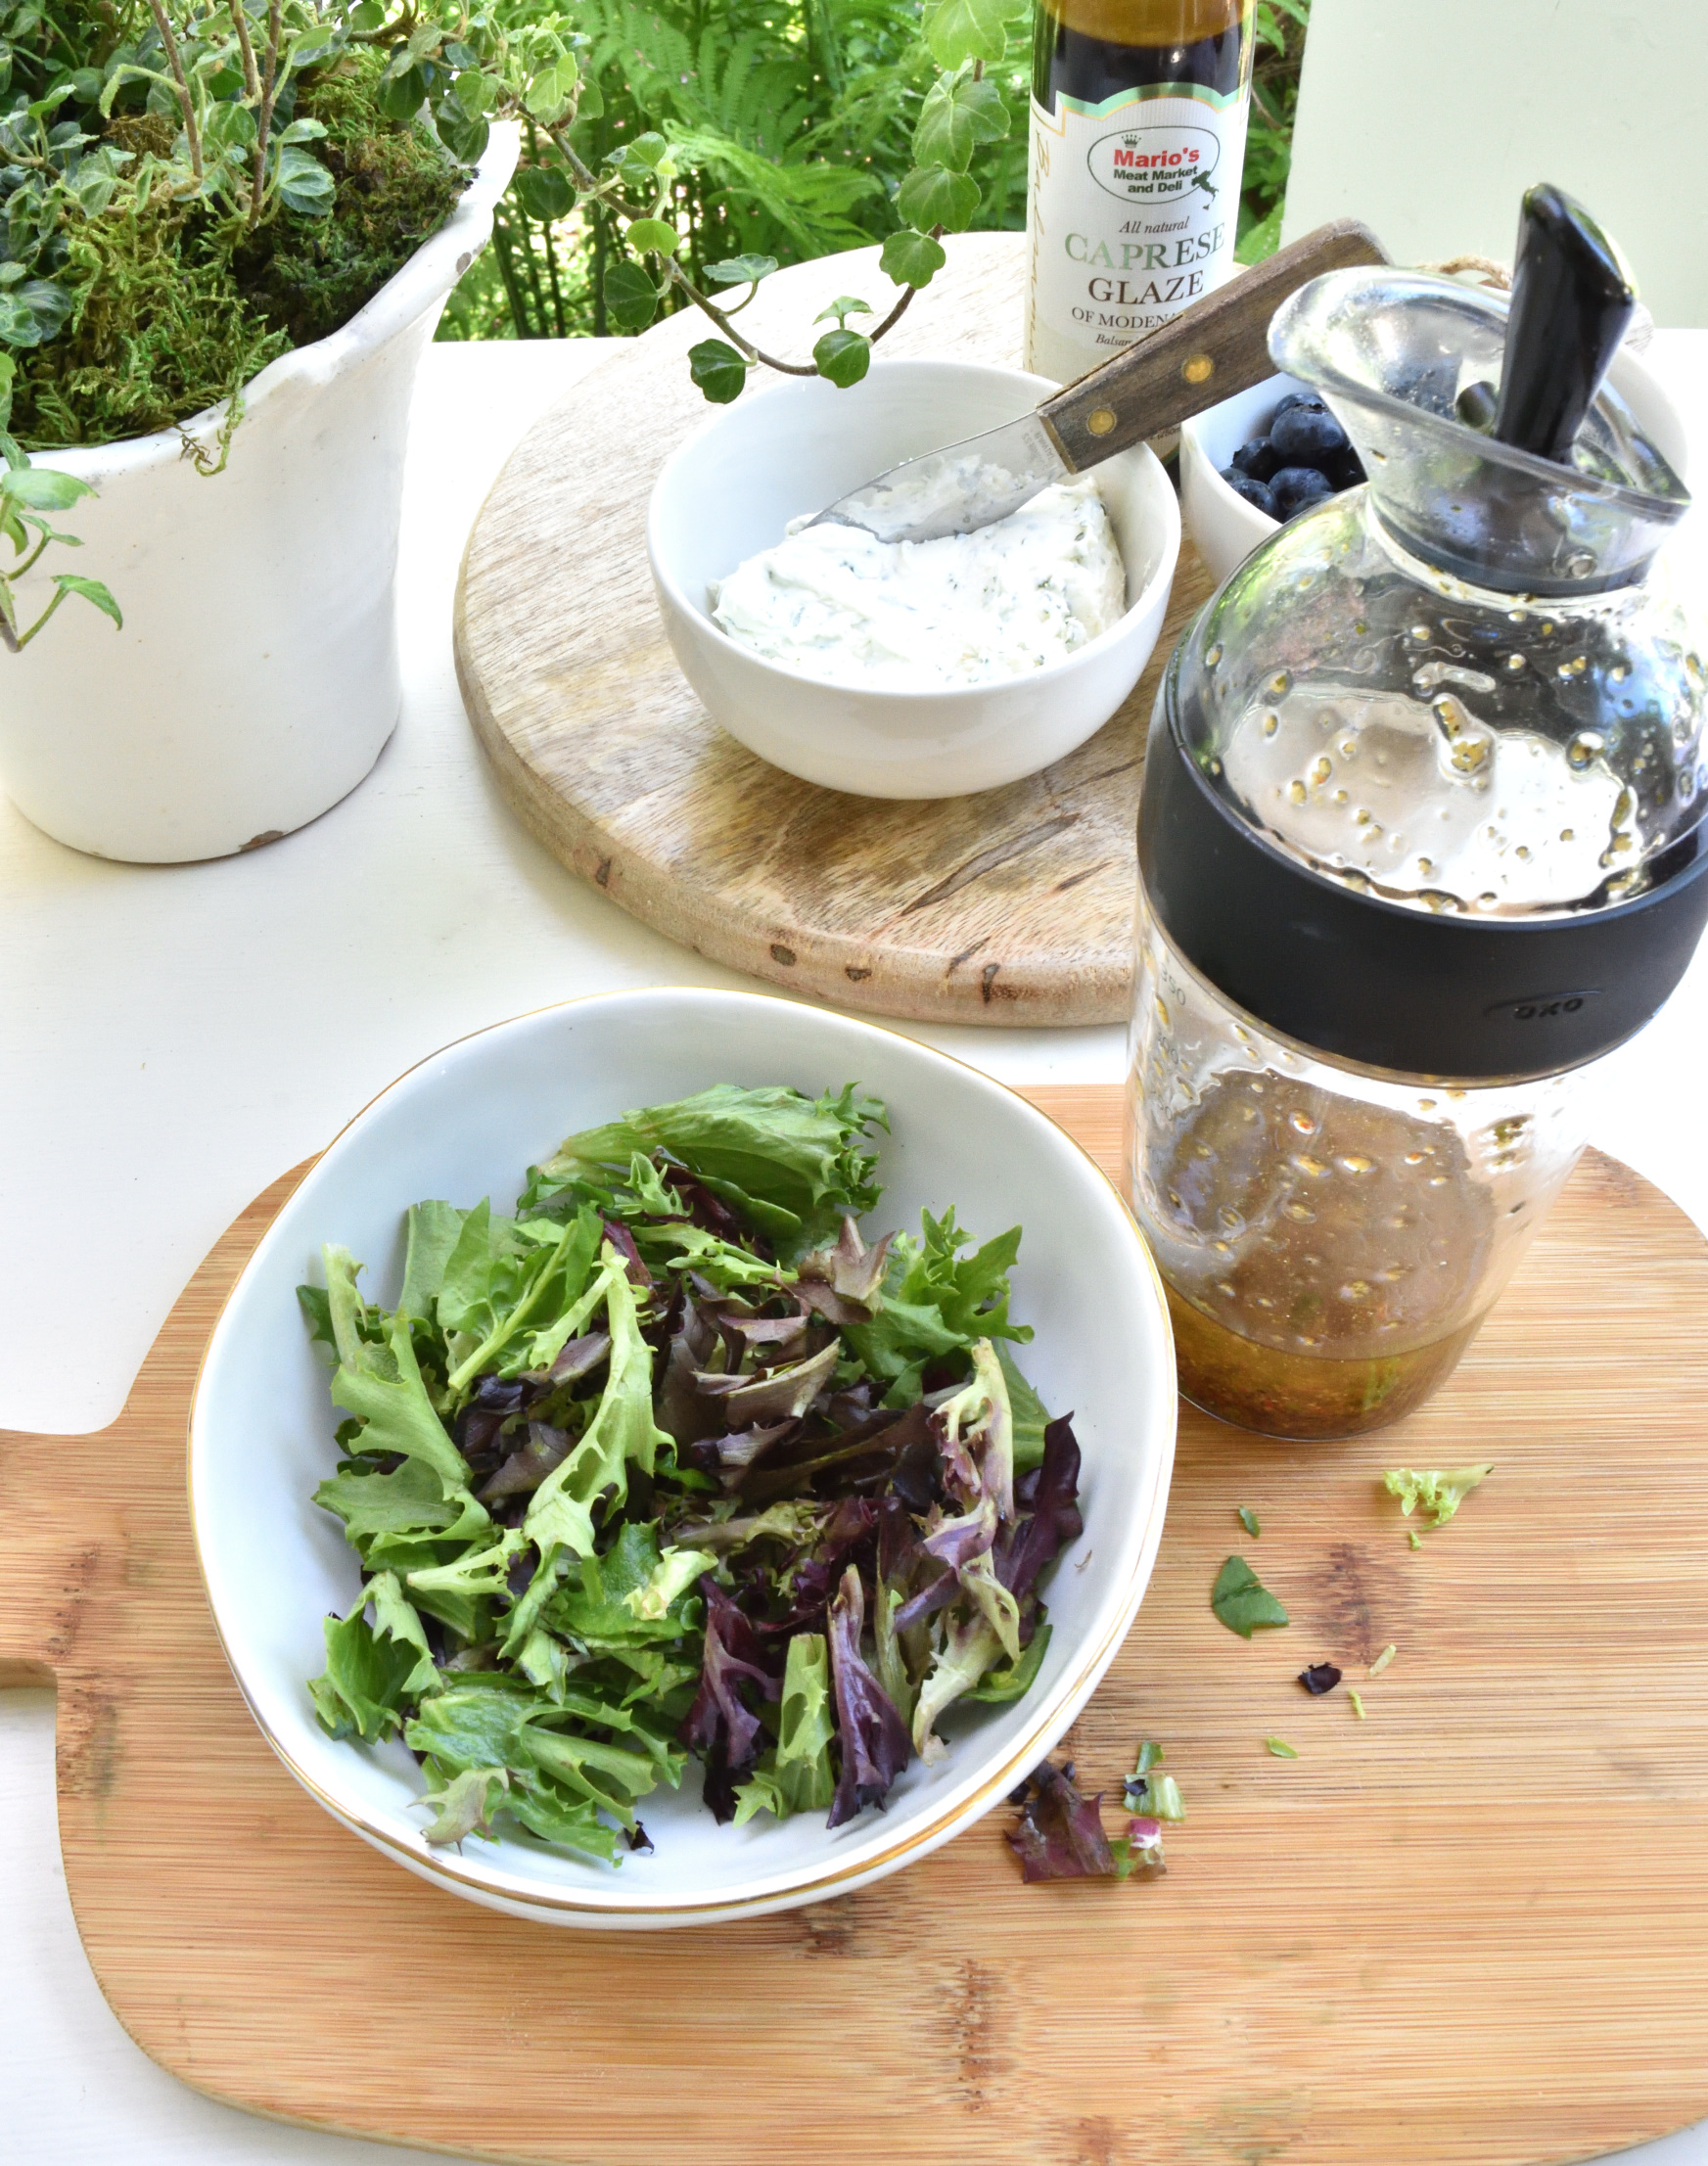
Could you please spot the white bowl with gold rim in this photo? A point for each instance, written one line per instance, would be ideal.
(464, 1124)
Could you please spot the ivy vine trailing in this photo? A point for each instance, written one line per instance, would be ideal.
(507, 61)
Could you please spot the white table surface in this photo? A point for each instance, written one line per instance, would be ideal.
(173, 1039)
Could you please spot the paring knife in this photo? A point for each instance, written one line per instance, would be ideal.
(1218, 346)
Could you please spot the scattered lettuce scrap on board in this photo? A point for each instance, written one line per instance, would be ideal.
(1242, 1602)
(667, 1464)
(1439, 1494)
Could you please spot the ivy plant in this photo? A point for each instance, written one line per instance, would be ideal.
(28, 494)
(526, 63)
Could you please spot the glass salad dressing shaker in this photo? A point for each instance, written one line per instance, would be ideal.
(1420, 840)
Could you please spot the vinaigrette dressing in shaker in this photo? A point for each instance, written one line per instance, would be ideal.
(1419, 839)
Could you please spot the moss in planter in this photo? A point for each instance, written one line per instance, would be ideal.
(177, 308)
(396, 186)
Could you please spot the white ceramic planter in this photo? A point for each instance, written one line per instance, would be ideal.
(255, 679)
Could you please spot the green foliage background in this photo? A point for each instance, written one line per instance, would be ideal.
(799, 115)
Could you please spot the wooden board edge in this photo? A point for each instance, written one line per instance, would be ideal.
(842, 972)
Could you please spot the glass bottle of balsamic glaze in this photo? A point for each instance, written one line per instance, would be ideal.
(1138, 118)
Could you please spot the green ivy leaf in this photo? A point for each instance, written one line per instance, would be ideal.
(591, 103)
(959, 115)
(652, 237)
(463, 137)
(958, 30)
(477, 93)
(718, 369)
(42, 489)
(401, 95)
(1242, 1602)
(932, 196)
(842, 307)
(366, 19)
(545, 193)
(740, 271)
(548, 95)
(630, 297)
(650, 148)
(304, 184)
(911, 258)
(92, 591)
(32, 313)
(843, 357)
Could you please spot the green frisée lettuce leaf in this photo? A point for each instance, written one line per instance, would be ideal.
(796, 1776)
(398, 1416)
(1009, 1681)
(622, 1433)
(409, 1502)
(1439, 1494)
(431, 1232)
(367, 1680)
(799, 1159)
(935, 1302)
(671, 1461)
(465, 1805)
(1029, 1416)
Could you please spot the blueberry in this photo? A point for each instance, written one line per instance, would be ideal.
(1250, 488)
(1295, 488)
(1307, 436)
(1258, 458)
(1345, 469)
(1295, 398)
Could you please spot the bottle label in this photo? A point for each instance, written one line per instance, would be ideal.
(1131, 217)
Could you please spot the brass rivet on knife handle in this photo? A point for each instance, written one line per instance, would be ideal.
(1218, 346)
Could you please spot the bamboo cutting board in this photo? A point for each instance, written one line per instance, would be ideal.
(1014, 907)
(1473, 1928)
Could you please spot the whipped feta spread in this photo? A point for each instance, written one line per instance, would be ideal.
(836, 603)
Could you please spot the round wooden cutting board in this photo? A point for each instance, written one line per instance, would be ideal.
(1011, 906)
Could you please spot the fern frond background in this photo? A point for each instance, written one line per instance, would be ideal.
(797, 115)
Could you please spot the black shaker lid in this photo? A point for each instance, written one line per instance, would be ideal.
(1364, 980)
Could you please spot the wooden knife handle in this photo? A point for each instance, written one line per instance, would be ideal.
(1218, 346)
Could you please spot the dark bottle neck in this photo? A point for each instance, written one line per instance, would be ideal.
(1091, 50)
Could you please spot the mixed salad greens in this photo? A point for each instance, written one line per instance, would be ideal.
(667, 1461)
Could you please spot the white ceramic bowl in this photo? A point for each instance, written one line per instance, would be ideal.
(732, 489)
(1226, 528)
(465, 1123)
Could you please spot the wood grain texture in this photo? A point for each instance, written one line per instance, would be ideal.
(1218, 346)
(1472, 1928)
(1014, 907)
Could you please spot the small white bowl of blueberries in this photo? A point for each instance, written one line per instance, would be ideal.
(1256, 461)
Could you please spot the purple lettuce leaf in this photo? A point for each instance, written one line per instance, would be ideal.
(720, 1726)
(622, 1241)
(523, 1471)
(874, 1739)
(958, 1541)
(581, 1357)
(1052, 1492)
(490, 1406)
(1060, 1835)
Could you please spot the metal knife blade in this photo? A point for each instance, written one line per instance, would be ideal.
(1218, 347)
(957, 490)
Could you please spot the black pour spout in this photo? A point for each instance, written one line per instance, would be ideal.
(1572, 302)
